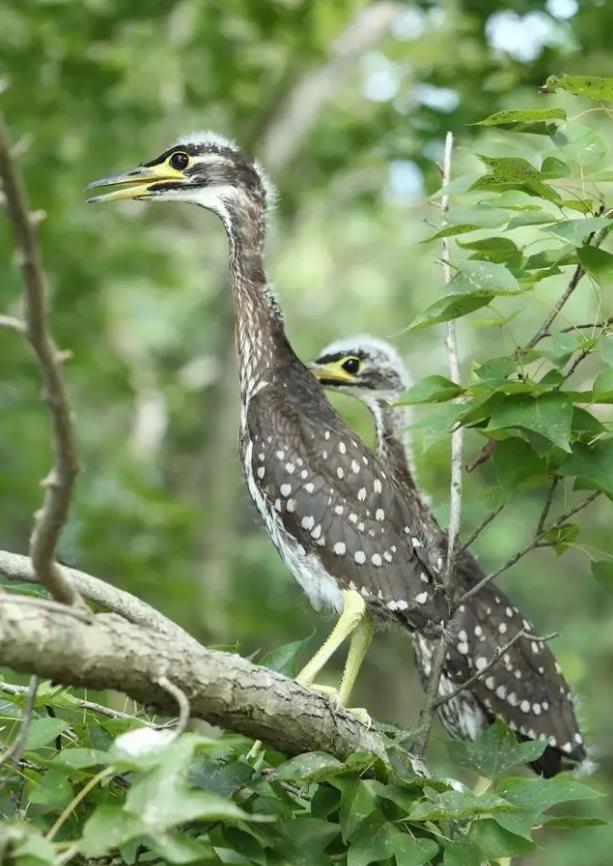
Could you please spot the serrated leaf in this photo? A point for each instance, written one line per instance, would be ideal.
(310, 766)
(549, 415)
(598, 263)
(592, 86)
(603, 572)
(432, 389)
(523, 115)
(286, 659)
(44, 731)
(495, 752)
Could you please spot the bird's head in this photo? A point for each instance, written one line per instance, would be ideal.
(202, 168)
(365, 367)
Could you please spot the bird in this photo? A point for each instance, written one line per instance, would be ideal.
(340, 522)
(526, 687)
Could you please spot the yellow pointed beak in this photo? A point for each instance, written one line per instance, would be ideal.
(136, 184)
(331, 374)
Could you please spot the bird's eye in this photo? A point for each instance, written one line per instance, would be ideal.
(179, 160)
(351, 365)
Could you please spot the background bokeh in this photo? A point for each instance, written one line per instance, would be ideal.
(347, 105)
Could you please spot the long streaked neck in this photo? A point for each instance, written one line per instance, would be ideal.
(394, 451)
(260, 334)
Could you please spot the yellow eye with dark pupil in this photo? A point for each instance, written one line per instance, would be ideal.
(351, 365)
(179, 161)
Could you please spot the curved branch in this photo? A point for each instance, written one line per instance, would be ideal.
(19, 568)
(224, 689)
(60, 481)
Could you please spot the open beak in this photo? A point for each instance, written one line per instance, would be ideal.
(138, 183)
(331, 374)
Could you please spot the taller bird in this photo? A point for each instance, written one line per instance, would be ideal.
(339, 521)
(526, 687)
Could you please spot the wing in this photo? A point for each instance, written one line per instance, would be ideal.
(333, 497)
(526, 687)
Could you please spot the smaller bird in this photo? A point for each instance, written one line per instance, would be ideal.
(526, 688)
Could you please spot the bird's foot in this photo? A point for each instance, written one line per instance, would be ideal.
(333, 695)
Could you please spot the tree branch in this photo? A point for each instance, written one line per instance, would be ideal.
(19, 568)
(14, 751)
(59, 484)
(479, 528)
(455, 493)
(13, 324)
(530, 546)
(224, 689)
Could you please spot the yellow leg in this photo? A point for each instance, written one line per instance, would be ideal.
(353, 612)
(358, 647)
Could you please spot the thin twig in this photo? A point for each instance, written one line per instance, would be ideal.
(574, 281)
(15, 750)
(59, 484)
(574, 364)
(13, 324)
(500, 651)
(484, 455)
(455, 495)
(181, 699)
(81, 704)
(546, 506)
(479, 528)
(530, 546)
(99, 777)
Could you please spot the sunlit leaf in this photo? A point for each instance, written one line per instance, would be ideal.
(496, 751)
(541, 794)
(523, 115)
(549, 415)
(591, 86)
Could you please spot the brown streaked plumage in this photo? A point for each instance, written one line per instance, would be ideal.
(526, 688)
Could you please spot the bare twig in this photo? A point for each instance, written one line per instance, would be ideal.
(574, 281)
(530, 546)
(455, 495)
(546, 507)
(81, 704)
(500, 651)
(181, 699)
(15, 750)
(13, 324)
(479, 529)
(575, 363)
(52, 517)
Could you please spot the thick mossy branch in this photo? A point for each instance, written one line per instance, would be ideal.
(223, 689)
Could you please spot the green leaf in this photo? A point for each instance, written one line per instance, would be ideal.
(495, 842)
(580, 143)
(598, 263)
(80, 758)
(554, 168)
(161, 806)
(577, 230)
(522, 116)
(514, 172)
(371, 843)
(566, 822)
(357, 803)
(581, 85)
(462, 854)
(286, 659)
(561, 537)
(450, 231)
(410, 851)
(528, 219)
(432, 389)
(179, 847)
(457, 805)
(310, 766)
(44, 731)
(603, 572)
(452, 306)
(549, 415)
(54, 790)
(495, 752)
(593, 467)
(34, 849)
(108, 827)
(603, 384)
(518, 466)
(306, 839)
(497, 370)
(541, 794)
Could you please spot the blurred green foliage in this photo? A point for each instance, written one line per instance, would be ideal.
(140, 295)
